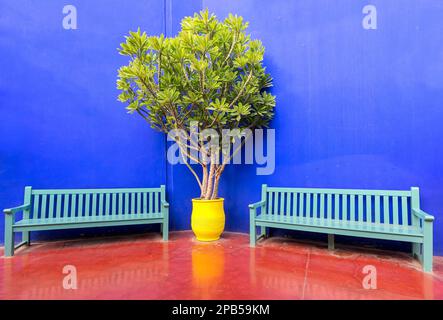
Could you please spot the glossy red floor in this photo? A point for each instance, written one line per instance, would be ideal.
(144, 267)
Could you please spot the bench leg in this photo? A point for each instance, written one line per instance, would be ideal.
(416, 251)
(252, 228)
(9, 236)
(264, 232)
(427, 257)
(252, 236)
(26, 237)
(165, 232)
(428, 250)
(331, 242)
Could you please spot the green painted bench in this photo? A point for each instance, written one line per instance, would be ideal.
(376, 214)
(85, 208)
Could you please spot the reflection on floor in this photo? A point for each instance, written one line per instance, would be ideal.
(144, 267)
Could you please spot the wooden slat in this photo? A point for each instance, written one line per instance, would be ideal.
(36, 210)
(145, 202)
(360, 208)
(322, 206)
(151, 202)
(315, 205)
(126, 203)
(88, 205)
(345, 207)
(132, 203)
(398, 193)
(139, 203)
(377, 209)
(308, 205)
(51, 206)
(276, 203)
(89, 191)
(94, 204)
(59, 206)
(43, 207)
(336, 207)
(386, 209)
(270, 203)
(404, 210)
(80, 205)
(107, 204)
(302, 205)
(120, 203)
(329, 206)
(73, 205)
(295, 204)
(66, 205)
(114, 204)
(100, 204)
(157, 202)
(288, 203)
(352, 208)
(395, 215)
(282, 203)
(368, 208)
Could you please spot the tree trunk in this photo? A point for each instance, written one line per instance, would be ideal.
(211, 177)
(216, 182)
(204, 181)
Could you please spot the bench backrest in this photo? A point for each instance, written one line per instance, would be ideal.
(64, 203)
(376, 206)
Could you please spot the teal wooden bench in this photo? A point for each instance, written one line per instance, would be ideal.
(85, 208)
(376, 214)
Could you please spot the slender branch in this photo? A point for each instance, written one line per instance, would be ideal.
(190, 168)
(241, 90)
(232, 48)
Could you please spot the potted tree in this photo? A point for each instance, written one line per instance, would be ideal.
(209, 76)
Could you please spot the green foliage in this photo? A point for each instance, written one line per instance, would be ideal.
(211, 73)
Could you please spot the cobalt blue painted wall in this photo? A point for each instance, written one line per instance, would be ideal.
(62, 126)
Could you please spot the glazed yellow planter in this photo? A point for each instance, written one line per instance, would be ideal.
(208, 219)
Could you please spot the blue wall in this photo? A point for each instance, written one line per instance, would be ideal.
(355, 108)
(62, 126)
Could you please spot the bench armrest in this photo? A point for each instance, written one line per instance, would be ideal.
(257, 204)
(422, 215)
(16, 209)
(165, 204)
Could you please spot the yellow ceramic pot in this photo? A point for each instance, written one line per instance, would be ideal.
(208, 219)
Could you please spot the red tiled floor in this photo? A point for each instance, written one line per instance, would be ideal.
(144, 267)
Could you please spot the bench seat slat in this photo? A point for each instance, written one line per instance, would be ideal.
(340, 224)
(399, 193)
(90, 191)
(76, 220)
